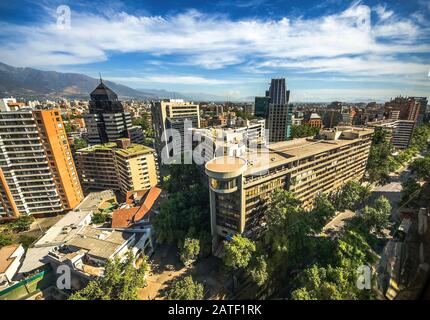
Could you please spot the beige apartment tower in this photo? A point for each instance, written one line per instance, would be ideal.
(240, 186)
(118, 166)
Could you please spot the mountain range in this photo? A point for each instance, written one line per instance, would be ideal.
(37, 84)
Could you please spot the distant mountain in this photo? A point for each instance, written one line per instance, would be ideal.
(33, 83)
(29, 82)
(195, 96)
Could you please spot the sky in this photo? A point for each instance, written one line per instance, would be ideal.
(326, 49)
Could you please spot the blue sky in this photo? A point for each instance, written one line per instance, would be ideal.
(327, 50)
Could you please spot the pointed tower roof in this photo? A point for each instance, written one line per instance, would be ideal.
(102, 92)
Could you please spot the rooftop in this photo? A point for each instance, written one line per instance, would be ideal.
(6, 256)
(283, 152)
(225, 164)
(99, 243)
(126, 217)
(133, 149)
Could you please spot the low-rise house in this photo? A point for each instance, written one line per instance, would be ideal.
(89, 250)
(139, 206)
(64, 229)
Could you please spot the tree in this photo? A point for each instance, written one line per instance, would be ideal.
(322, 212)
(303, 131)
(287, 236)
(189, 251)
(120, 281)
(258, 270)
(185, 212)
(238, 252)
(21, 224)
(420, 137)
(100, 217)
(377, 217)
(79, 143)
(421, 167)
(142, 122)
(351, 195)
(5, 239)
(186, 289)
(380, 160)
(410, 191)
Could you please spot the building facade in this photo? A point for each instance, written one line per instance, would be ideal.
(240, 186)
(313, 120)
(118, 166)
(37, 171)
(107, 120)
(400, 131)
(275, 108)
(172, 114)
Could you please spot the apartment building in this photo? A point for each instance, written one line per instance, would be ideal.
(107, 120)
(118, 165)
(400, 131)
(410, 108)
(240, 186)
(172, 114)
(37, 172)
(313, 120)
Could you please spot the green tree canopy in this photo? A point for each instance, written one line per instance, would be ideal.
(120, 281)
(21, 224)
(258, 269)
(421, 167)
(351, 195)
(189, 251)
(380, 160)
(186, 289)
(410, 191)
(5, 239)
(376, 217)
(303, 131)
(238, 252)
(80, 143)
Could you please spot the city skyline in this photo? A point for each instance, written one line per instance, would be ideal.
(384, 52)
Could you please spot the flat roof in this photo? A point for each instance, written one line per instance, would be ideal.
(225, 164)
(283, 152)
(133, 149)
(99, 243)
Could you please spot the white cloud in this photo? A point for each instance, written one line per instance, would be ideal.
(357, 66)
(346, 42)
(383, 13)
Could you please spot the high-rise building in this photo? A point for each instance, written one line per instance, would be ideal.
(118, 165)
(172, 114)
(423, 112)
(400, 131)
(275, 108)
(37, 172)
(409, 108)
(261, 106)
(107, 120)
(240, 186)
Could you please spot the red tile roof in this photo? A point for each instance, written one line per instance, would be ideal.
(125, 218)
